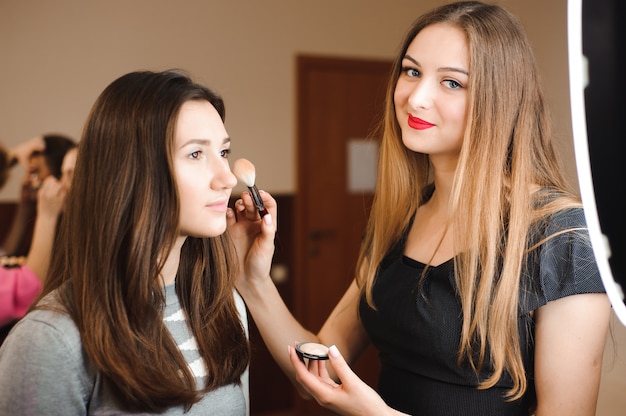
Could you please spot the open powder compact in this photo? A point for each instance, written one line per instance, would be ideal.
(312, 351)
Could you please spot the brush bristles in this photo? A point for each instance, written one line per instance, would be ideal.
(244, 171)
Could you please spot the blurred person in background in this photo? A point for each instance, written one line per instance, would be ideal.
(42, 157)
(21, 283)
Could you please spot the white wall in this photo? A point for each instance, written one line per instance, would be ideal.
(56, 57)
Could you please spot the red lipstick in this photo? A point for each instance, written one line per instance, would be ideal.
(418, 123)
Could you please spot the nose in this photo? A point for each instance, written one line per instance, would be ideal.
(422, 94)
(223, 178)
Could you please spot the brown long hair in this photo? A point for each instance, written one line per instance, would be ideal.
(507, 151)
(120, 222)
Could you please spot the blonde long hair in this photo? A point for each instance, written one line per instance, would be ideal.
(507, 151)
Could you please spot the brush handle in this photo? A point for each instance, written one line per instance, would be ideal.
(256, 197)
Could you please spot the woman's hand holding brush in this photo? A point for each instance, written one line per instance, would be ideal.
(252, 226)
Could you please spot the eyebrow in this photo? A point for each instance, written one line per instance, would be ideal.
(443, 69)
(203, 142)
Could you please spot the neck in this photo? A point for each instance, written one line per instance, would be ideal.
(170, 268)
(443, 188)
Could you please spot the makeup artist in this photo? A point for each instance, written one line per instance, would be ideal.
(21, 283)
(40, 164)
(476, 280)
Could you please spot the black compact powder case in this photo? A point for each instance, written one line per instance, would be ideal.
(312, 351)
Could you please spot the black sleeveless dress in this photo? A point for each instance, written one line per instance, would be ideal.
(416, 329)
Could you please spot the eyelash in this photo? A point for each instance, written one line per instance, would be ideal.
(225, 153)
(406, 69)
(456, 85)
(451, 83)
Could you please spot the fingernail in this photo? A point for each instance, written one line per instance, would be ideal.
(267, 219)
(333, 351)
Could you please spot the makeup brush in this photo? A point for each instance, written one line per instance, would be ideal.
(244, 171)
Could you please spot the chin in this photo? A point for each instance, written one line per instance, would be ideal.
(205, 232)
(215, 232)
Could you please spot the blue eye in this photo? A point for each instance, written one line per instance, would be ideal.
(452, 84)
(410, 72)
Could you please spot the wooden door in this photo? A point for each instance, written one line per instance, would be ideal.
(339, 100)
